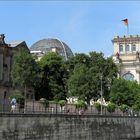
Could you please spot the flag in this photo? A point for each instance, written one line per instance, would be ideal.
(125, 21)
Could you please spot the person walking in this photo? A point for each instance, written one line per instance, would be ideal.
(13, 105)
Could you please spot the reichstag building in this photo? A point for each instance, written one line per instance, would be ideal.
(126, 56)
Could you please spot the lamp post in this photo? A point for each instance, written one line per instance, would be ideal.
(101, 97)
(33, 99)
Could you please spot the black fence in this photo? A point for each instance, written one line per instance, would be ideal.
(37, 107)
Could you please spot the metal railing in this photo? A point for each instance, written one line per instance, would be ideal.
(67, 109)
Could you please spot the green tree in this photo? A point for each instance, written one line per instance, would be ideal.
(24, 69)
(78, 82)
(97, 106)
(136, 105)
(125, 92)
(104, 67)
(124, 108)
(79, 58)
(53, 77)
(81, 104)
(111, 107)
(85, 78)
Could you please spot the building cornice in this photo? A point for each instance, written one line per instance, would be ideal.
(127, 39)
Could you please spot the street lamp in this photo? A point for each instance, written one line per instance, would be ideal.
(101, 96)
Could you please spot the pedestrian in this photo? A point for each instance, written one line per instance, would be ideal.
(68, 111)
(81, 112)
(13, 105)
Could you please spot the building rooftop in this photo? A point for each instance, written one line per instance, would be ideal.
(14, 43)
(49, 44)
(126, 38)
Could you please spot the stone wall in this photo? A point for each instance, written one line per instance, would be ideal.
(68, 127)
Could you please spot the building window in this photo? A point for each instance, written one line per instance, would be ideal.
(128, 76)
(127, 48)
(133, 48)
(120, 48)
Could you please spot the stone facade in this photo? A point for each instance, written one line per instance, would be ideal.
(126, 56)
(6, 53)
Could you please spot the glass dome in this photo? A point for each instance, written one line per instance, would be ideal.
(52, 45)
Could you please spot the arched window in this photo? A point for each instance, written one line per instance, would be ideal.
(128, 76)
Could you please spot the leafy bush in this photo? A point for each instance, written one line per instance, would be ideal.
(81, 104)
(97, 106)
(62, 103)
(124, 107)
(53, 102)
(111, 107)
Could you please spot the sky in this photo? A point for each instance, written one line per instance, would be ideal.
(84, 26)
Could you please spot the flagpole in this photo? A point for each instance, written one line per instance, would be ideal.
(127, 30)
(125, 21)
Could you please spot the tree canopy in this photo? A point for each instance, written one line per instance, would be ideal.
(86, 72)
(24, 68)
(125, 92)
(55, 79)
(52, 84)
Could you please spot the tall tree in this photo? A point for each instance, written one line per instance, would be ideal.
(85, 78)
(78, 82)
(105, 68)
(53, 77)
(79, 58)
(125, 92)
(24, 69)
